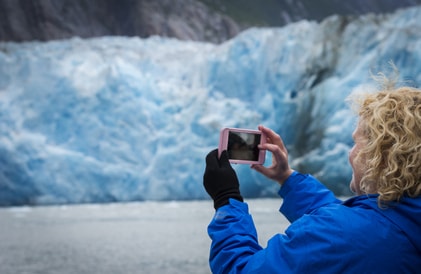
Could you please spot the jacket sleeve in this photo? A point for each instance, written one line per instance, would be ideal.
(302, 193)
(234, 238)
(235, 247)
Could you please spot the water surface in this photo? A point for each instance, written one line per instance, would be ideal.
(141, 237)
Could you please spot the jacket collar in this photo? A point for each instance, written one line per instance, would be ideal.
(406, 214)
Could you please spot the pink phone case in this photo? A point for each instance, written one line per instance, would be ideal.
(245, 143)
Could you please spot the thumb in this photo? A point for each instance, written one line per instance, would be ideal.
(224, 161)
(260, 168)
(212, 159)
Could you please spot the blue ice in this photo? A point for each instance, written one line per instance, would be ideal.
(122, 119)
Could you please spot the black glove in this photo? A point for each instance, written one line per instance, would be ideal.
(220, 180)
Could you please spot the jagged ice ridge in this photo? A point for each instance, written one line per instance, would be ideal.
(122, 119)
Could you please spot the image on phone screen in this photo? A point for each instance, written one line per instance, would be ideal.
(243, 146)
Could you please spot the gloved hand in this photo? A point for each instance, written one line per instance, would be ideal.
(220, 179)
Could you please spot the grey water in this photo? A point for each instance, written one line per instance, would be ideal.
(138, 237)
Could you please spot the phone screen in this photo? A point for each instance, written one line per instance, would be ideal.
(243, 146)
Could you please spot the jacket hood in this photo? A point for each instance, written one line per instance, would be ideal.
(406, 214)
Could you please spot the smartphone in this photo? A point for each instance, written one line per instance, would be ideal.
(242, 145)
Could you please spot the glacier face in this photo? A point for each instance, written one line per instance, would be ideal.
(121, 119)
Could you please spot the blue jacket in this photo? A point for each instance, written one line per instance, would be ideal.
(326, 235)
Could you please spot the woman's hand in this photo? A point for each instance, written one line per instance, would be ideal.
(220, 180)
(280, 170)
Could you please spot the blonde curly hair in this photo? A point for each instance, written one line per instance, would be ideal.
(391, 123)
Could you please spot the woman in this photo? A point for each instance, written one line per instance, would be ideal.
(377, 231)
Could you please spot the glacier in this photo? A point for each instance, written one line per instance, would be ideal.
(115, 119)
